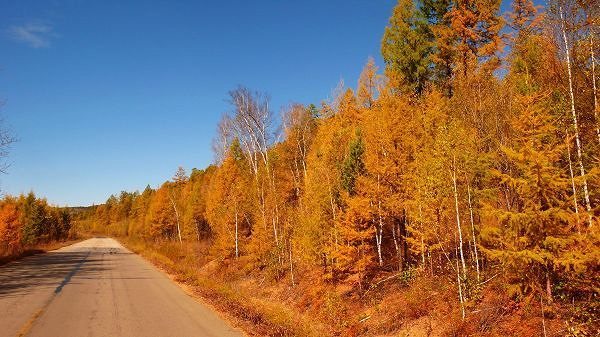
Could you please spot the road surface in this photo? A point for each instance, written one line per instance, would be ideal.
(98, 288)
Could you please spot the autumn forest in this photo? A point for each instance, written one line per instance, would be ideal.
(453, 191)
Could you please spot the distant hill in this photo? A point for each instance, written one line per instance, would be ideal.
(79, 210)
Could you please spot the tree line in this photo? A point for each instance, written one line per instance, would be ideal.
(27, 220)
(474, 153)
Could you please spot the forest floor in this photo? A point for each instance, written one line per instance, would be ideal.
(406, 304)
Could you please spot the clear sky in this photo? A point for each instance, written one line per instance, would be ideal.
(107, 96)
(113, 95)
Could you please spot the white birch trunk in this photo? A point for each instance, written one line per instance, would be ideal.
(462, 256)
(575, 123)
(460, 294)
(573, 183)
(594, 84)
(237, 251)
(379, 231)
(379, 239)
(176, 217)
(275, 232)
(473, 231)
(397, 247)
(422, 234)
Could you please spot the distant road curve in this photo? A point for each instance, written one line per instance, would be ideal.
(98, 288)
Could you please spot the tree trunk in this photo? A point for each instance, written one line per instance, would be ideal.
(401, 261)
(460, 293)
(548, 287)
(473, 231)
(402, 237)
(291, 264)
(543, 317)
(397, 247)
(379, 230)
(573, 183)
(422, 234)
(237, 255)
(575, 123)
(176, 217)
(594, 83)
(460, 242)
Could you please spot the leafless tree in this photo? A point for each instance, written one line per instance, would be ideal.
(223, 139)
(250, 122)
(6, 140)
(298, 126)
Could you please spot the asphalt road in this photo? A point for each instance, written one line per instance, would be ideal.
(98, 288)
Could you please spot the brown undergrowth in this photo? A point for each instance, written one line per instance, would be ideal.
(256, 315)
(415, 304)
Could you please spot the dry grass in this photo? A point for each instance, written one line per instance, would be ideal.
(238, 299)
(423, 305)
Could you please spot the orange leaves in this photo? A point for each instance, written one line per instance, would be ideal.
(476, 25)
(368, 84)
(10, 225)
(355, 251)
(161, 215)
(26, 221)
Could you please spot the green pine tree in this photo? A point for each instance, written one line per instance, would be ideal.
(406, 47)
(353, 165)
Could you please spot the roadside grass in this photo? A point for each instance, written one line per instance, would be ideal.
(255, 314)
(419, 305)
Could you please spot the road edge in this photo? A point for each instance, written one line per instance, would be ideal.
(190, 290)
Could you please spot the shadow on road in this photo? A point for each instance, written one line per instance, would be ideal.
(47, 271)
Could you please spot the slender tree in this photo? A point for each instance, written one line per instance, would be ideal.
(578, 144)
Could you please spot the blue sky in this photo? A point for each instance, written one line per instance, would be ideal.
(107, 96)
